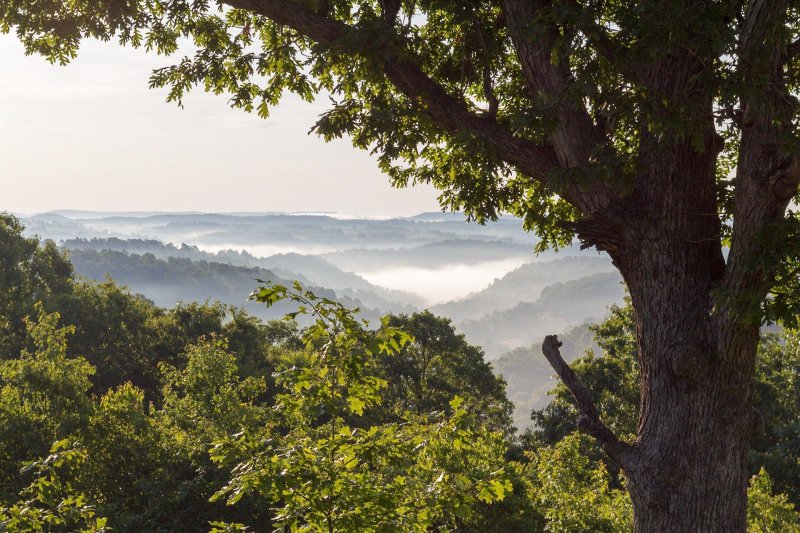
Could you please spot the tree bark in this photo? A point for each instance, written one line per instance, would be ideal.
(689, 469)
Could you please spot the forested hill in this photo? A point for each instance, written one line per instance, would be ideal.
(313, 268)
(513, 313)
(559, 305)
(523, 284)
(179, 279)
(118, 413)
(515, 310)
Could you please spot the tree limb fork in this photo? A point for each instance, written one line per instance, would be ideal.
(589, 421)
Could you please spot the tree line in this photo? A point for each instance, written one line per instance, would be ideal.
(116, 414)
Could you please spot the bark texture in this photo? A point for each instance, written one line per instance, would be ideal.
(687, 469)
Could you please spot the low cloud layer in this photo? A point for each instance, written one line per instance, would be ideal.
(442, 284)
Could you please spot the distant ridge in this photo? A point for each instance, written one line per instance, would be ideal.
(431, 216)
(438, 216)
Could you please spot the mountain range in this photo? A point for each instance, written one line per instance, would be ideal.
(485, 278)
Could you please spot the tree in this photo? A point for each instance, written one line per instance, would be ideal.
(127, 473)
(114, 331)
(777, 399)
(611, 377)
(438, 365)
(767, 512)
(50, 504)
(656, 131)
(148, 469)
(575, 495)
(322, 473)
(42, 398)
(30, 271)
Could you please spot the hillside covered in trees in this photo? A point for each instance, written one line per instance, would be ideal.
(117, 414)
(404, 265)
(511, 313)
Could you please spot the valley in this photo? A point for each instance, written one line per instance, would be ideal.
(486, 279)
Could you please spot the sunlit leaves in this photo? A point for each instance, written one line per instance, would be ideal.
(43, 397)
(766, 511)
(575, 495)
(438, 366)
(324, 469)
(50, 503)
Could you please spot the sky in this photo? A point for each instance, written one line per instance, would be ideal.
(93, 136)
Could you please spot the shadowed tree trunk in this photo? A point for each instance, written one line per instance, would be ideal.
(687, 468)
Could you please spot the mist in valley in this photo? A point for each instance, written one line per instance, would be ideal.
(486, 279)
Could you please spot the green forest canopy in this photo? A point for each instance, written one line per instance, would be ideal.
(118, 414)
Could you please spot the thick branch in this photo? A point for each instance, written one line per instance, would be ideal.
(390, 9)
(488, 85)
(766, 176)
(589, 421)
(449, 113)
(574, 139)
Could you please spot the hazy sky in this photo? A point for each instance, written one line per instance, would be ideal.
(93, 136)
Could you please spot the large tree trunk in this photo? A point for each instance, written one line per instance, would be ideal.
(689, 470)
(692, 473)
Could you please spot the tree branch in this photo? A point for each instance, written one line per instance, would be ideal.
(390, 9)
(574, 139)
(488, 86)
(599, 38)
(596, 34)
(589, 421)
(449, 113)
(766, 176)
